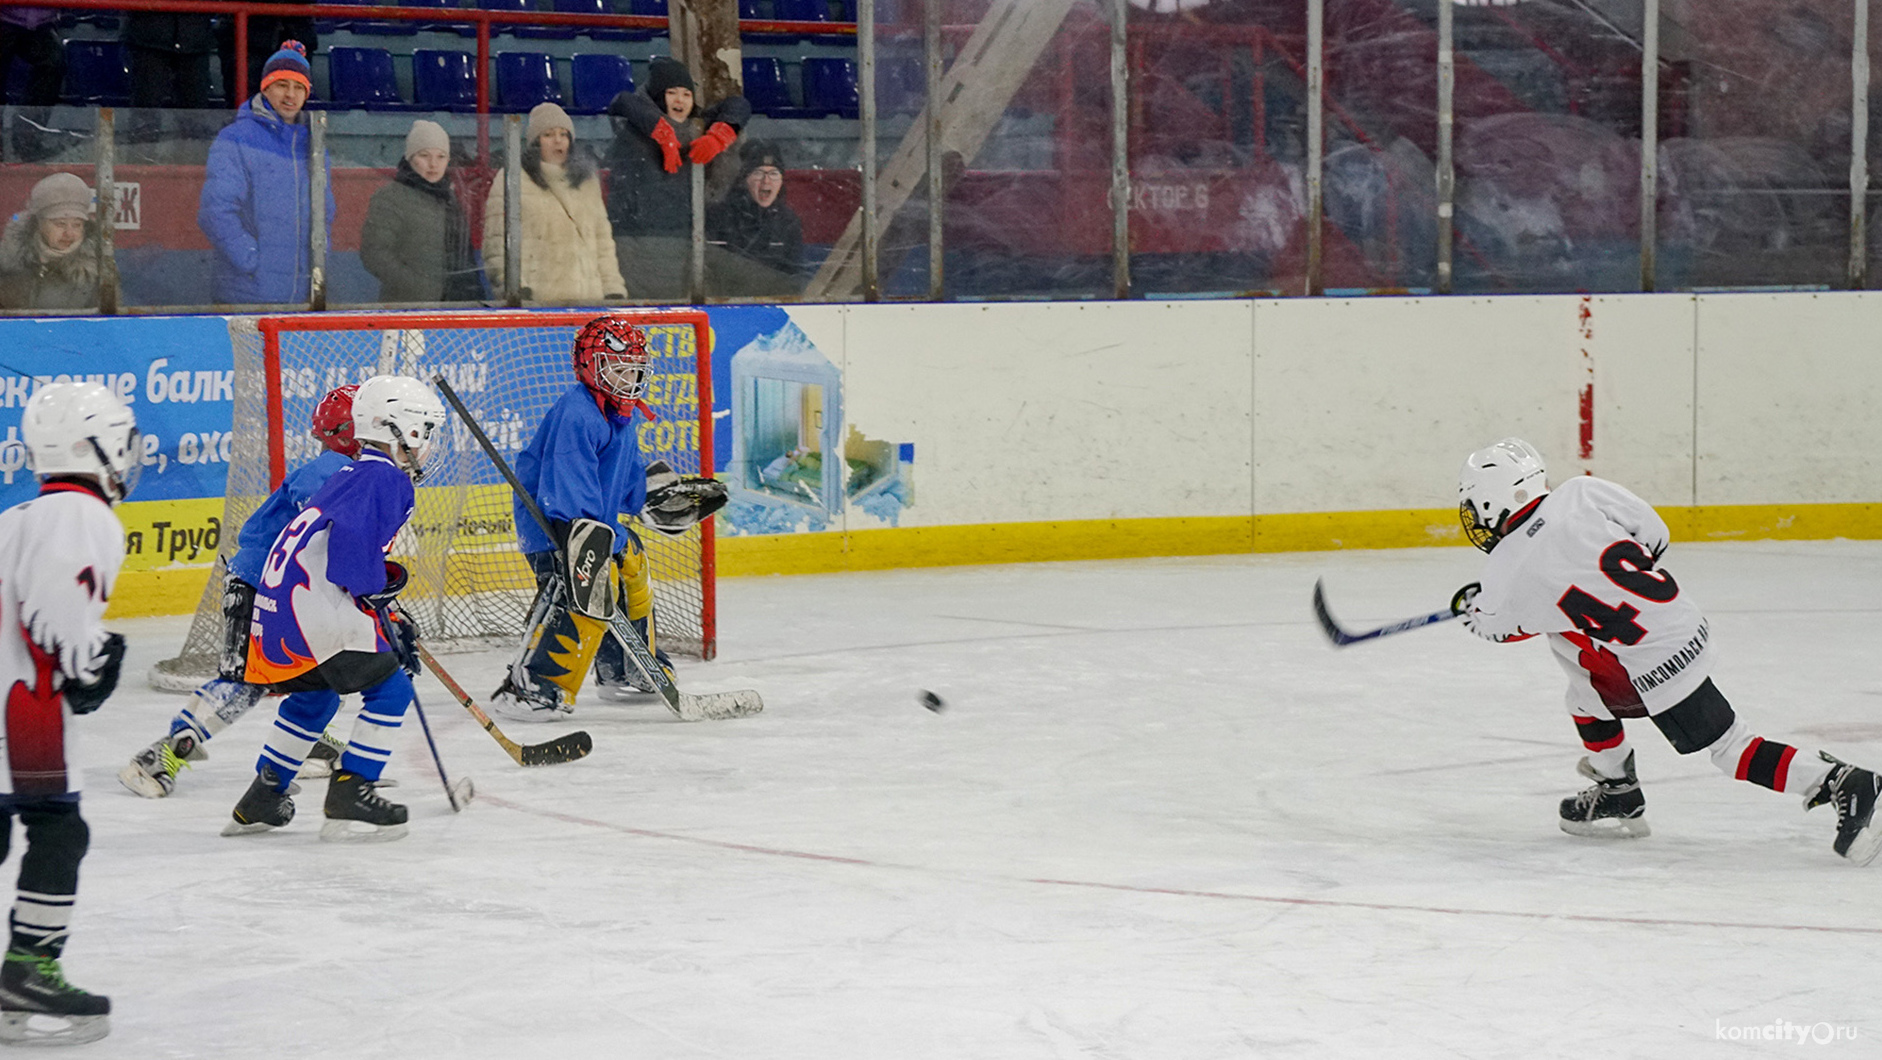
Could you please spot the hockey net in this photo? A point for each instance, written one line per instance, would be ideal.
(470, 588)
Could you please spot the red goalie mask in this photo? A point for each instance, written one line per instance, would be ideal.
(333, 422)
(611, 360)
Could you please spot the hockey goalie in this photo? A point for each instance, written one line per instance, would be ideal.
(584, 469)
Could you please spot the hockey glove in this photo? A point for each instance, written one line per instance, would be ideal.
(402, 632)
(669, 142)
(675, 503)
(395, 584)
(85, 697)
(717, 137)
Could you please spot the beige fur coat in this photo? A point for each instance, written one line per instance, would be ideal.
(567, 245)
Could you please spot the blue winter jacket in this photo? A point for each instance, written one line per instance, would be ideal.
(583, 463)
(255, 208)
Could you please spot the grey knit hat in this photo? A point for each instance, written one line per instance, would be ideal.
(426, 135)
(60, 195)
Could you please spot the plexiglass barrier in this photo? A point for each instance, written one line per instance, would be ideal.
(1068, 149)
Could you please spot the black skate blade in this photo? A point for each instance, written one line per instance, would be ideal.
(45, 1028)
(337, 830)
(554, 752)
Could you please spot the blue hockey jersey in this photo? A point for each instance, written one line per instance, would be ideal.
(306, 606)
(259, 532)
(583, 463)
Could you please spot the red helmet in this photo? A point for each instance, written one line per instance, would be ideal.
(611, 360)
(333, 421)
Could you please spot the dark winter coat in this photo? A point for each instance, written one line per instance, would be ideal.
(255, 208)
(772, 236)
(30, 280)
(173, 33)
(417, 241)
(643, 198)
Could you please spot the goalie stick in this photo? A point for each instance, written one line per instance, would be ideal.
(553, 752)
(1341, 638)
(685, 706)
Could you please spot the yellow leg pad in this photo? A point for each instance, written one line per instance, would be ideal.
(570, 656)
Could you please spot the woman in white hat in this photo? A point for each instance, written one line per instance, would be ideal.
(567, 245)
(417, 239)
(49, 254)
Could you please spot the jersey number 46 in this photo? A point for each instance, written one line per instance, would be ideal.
(1626, 564)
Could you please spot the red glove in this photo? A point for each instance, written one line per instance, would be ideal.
(714, 140)
(669, 142)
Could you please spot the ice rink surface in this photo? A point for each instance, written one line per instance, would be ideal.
(1160, 818)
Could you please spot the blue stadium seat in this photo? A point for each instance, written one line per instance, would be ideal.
(830, 87)
(649, 8)
(766, 88)
(801, 10)
(97, 73)
(591, 7)
(596, 80)
(380, 27)
(513, 5)
(461, 29)
(525, 79)
(444, 80)
(362, 79)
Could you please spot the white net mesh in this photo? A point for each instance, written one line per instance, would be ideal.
(470, 588)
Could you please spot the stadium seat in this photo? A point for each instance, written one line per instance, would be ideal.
(590, 7)
(766, 88)
(464, 29)
(596, 80)
(801, 10)
(378, 27)
(97, 73)
(525, 79)
(444, 80)
(649, 9)
(527, 6)
(830, 87)
(362, 79)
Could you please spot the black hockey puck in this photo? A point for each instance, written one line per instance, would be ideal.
(931, 701)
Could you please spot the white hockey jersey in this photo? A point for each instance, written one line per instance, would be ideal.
(59, 557)
(1583, 568)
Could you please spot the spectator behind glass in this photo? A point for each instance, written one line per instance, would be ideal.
(416, 239)
(567, 252)
(762, 232)
(49, 254)
(26, 34)
(169, 59)
(256, 208)
(650, 189)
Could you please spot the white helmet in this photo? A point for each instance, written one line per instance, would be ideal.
(83, 429)
(400, 413)
(1496, 483)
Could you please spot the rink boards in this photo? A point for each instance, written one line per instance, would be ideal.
(979, 433)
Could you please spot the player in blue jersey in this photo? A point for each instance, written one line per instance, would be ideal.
(218, 703)
(324, 624)
(584, 469)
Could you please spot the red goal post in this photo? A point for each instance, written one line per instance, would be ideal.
(470, 588)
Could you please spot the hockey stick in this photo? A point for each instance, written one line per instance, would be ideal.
(1341, 638)
(463, 791)
(553, 752)
(684, 705)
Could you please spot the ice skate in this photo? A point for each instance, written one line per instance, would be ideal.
(38, 1007)
(627, 683)
(355, 811)
(324, 758)
(152, 772)
(1612, 809)
(516, 704)
(262, 808)
(1854, 791)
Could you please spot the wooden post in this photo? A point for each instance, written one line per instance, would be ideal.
(931, 132)
(1649, 143)
(107, 194)
(705, 38)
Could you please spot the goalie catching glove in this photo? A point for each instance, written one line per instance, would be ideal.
(675, 503)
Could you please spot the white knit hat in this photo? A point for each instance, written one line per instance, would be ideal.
(60, 195)
(426, 135)
(544, 117)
